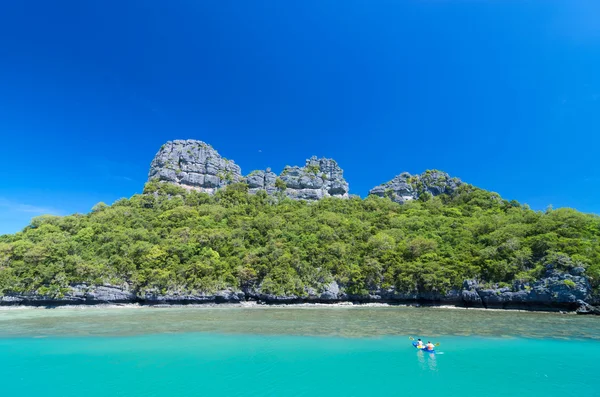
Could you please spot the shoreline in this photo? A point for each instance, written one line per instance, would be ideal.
(259, 305)
(470, 297)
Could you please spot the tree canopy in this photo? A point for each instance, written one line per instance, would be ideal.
(172, 239)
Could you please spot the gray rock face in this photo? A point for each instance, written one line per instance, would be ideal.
(586, 308)
(257, 294)
(406, 187)
(196, 165)
(193, 165)
(76, 294)
(318, 179)
(261, 180)
(327, 293)
(171, 297)
(103, 293)
(557, 287)
(331, 292)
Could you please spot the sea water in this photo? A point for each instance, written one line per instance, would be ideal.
(301, 351)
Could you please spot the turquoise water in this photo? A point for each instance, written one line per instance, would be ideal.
(294, 352)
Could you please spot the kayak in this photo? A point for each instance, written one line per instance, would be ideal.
(422, 348)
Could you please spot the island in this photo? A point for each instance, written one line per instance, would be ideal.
(201, 232)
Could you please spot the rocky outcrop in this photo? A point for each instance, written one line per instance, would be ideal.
(193, 165)
(82, 294)
(557, 287)
(330, 292)
(75, 294)
(406, 187)
(196, 165)
(586, 308)
(262, 180)
(327, 293)
(549, 293)
(171, 297)
(319, 178)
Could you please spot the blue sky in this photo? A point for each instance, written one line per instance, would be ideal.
(503, 94)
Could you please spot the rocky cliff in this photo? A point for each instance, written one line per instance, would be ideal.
(262, 180)
(559, 289)
(559, 286)
(194, 165)
(406, 187)
(319, 178)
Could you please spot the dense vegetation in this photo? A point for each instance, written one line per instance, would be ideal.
(179, 240)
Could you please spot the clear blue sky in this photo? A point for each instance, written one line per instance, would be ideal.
(503, 94)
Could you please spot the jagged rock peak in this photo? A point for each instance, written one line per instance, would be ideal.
(406, 187)
(319, 178)
(194, 165)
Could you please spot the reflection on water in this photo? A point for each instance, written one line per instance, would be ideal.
(427, 361)
(346, 321)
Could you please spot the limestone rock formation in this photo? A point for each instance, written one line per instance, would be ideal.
(181, 297)
(406, 187)
(75, 294)
(586, 308)
(194, 165)
(319, 178)
(261, 180)
(558, 286)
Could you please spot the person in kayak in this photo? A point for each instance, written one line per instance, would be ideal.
(429, 346)
(420, 344)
